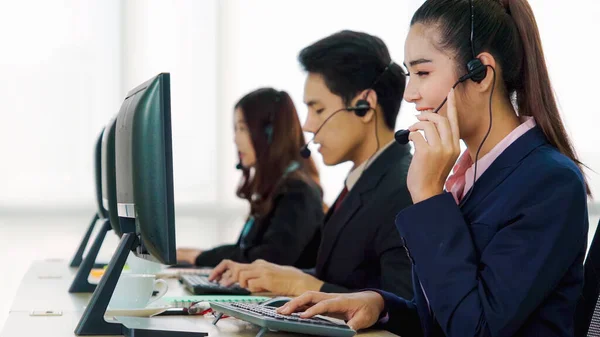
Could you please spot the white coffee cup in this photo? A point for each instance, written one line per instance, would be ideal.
(140, 266)
(133, 291)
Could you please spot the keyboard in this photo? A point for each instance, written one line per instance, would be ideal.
(200, 285)
(178, 272)
(268, 318)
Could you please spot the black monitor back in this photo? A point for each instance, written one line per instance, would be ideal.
(102, 210)
(109, 179)
(144, 169)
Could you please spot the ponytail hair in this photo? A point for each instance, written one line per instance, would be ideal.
(536, 97)
(507, 29)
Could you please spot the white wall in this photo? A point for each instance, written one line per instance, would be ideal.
(67, 65)
(570, 47)
(179, 37)
(60, 68)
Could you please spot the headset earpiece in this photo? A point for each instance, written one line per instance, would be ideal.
(269, 133)
(477, 70)
(269, 127)
(362, 105)
(361, 108)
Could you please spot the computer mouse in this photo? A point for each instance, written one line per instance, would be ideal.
(276, 301)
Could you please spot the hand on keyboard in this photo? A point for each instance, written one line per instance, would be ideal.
(272, 313)
(361, 309)
(269, 319)
(201, 285)
(262, 276)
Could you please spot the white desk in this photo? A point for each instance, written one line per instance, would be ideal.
(45, 287)
(20, 324)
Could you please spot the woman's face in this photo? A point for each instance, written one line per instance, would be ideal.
(432, 73)
(243, 141)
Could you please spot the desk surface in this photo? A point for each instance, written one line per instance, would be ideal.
(20, 324)
(45, 287)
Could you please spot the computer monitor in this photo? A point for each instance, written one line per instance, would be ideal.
(106, 200)
(98, 163)
(101, 212)
(144, 169)
(144, 177)
(109, 179)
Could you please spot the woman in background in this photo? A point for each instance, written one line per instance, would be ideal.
(282, 188)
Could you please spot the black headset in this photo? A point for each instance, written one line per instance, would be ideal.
(476, 71)
(269, 126)
(360, 109)
(362, 105)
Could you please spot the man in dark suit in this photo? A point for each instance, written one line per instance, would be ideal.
(353, 92)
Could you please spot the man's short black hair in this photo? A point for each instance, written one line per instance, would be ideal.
(350, 62)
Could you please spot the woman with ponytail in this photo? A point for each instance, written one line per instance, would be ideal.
(281, 187)
(497, 246)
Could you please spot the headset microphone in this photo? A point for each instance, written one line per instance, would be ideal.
(476, 72)
(401, 136)
(305, 151)
(360, 109)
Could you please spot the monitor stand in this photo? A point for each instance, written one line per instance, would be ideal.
(78, 257)
(80, 283)
(92, 321)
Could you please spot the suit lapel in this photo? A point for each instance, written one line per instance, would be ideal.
(336, 221)
(334, 226)
(502, 167)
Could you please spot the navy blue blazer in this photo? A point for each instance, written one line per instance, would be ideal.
(508, 261)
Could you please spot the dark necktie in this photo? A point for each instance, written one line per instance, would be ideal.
(340, 198)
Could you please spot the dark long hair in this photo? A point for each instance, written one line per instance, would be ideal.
(508, 30)
(275, 153)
